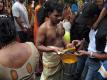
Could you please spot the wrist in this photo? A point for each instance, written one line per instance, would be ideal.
(91, 55)
(51, 48)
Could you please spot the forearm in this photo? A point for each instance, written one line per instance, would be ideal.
(44, 49)
(97, 55)
(100, 56)
(19, 22)
(102, 15)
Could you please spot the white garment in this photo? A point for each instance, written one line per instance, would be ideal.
(66, 25)
(106, 46)
(92, 43)
(19, 10)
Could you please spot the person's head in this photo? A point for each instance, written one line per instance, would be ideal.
(7, 31)
(99, 3)
(21, 1)
(41, 2)
(1, 5)
(54, 11)
(66, 12)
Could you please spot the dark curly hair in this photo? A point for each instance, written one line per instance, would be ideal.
(49, 6)
(52, 5)
(7, 31)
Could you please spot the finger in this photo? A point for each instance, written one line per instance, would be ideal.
(75, 53)
(77, 44)
(80, 51)
(60, 50)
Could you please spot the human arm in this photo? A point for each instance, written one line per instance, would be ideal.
(101, 16)
(76, 43)
(93, 54)
(16, 15)
(19, 22)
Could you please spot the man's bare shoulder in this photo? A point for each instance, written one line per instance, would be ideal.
(42, 28)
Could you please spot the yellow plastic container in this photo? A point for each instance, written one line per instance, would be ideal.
(69, 58)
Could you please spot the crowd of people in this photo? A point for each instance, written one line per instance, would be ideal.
(25, 48)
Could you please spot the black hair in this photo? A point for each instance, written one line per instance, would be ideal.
(52, 5)
(49, 6)
(7, 31)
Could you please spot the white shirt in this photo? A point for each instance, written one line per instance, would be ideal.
(66, 25)
(92, 43)
(106, 46)
(19, 10)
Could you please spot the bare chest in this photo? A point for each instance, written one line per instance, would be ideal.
(52, 38)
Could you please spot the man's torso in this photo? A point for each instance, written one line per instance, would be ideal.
(52, 38)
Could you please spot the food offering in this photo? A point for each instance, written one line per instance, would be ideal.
(68, 56)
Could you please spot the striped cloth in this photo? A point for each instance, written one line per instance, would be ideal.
(102, 72)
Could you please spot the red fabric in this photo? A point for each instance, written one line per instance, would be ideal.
(39, 68)
(37, 8)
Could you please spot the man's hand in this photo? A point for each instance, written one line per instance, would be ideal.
(24, 29)
(28, 30)
(75, 43)
(56, 49)
(83, 53)
(69, 45)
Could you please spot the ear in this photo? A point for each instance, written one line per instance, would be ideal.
(49, 14)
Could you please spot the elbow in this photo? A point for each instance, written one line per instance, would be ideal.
(39, 47)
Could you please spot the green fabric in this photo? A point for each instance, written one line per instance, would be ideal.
(67, 36)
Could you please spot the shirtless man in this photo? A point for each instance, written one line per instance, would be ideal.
(50, 42)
